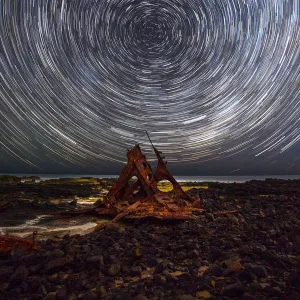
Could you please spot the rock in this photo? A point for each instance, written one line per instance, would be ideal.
(5, 273)
(244, 250)
(114, 269)
(19, 276)
(50, 296)
(74, 283)
(247, 276)
(234, 290)
(194, 254)
(293, 279)
(140, 297)
(24, 287)
(273, 291)
(57, 253)
(185, 297)
(216, 271)
(35, 268)
(161, 267)
(247, 297)
(42, 290)
(181, 255)
(294, 296)
(90, 295)
(232, 266)
(216, 253)
(73, 202)
(86, 248)
(61, 293)
(258, 270)
(58, 263)
(297, 244)
(136, 271)
(95, 260)
(203, 295)
(14, 293)
(112, 226)
(255, 286)
(170, 278)
(151, 261)
(157, 278)
(210, 217)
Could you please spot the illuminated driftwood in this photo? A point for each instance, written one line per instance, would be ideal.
(9, 243)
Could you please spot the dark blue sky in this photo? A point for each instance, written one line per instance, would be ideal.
(215, 83)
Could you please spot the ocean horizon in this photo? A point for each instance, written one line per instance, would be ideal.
(182, 178)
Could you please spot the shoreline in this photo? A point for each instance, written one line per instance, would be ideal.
(246, 245)
(182, 178)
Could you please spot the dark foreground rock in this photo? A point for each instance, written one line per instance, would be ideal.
(251, 253)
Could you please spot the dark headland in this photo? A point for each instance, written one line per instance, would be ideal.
(246, 245)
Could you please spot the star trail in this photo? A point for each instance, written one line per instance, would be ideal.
(81, 80)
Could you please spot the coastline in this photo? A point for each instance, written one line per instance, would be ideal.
(246, 245)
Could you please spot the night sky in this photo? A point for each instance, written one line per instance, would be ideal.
(216, 83)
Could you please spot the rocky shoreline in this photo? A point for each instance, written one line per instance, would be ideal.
(245, 246)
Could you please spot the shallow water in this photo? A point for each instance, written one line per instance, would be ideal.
(178, 178)
(49, 227)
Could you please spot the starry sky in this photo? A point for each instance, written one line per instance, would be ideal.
(216, 83)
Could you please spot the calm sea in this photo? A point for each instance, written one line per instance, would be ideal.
(178, 178)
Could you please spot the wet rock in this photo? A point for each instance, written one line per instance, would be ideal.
(234, 290)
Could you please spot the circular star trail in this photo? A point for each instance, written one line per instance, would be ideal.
(81, 80)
